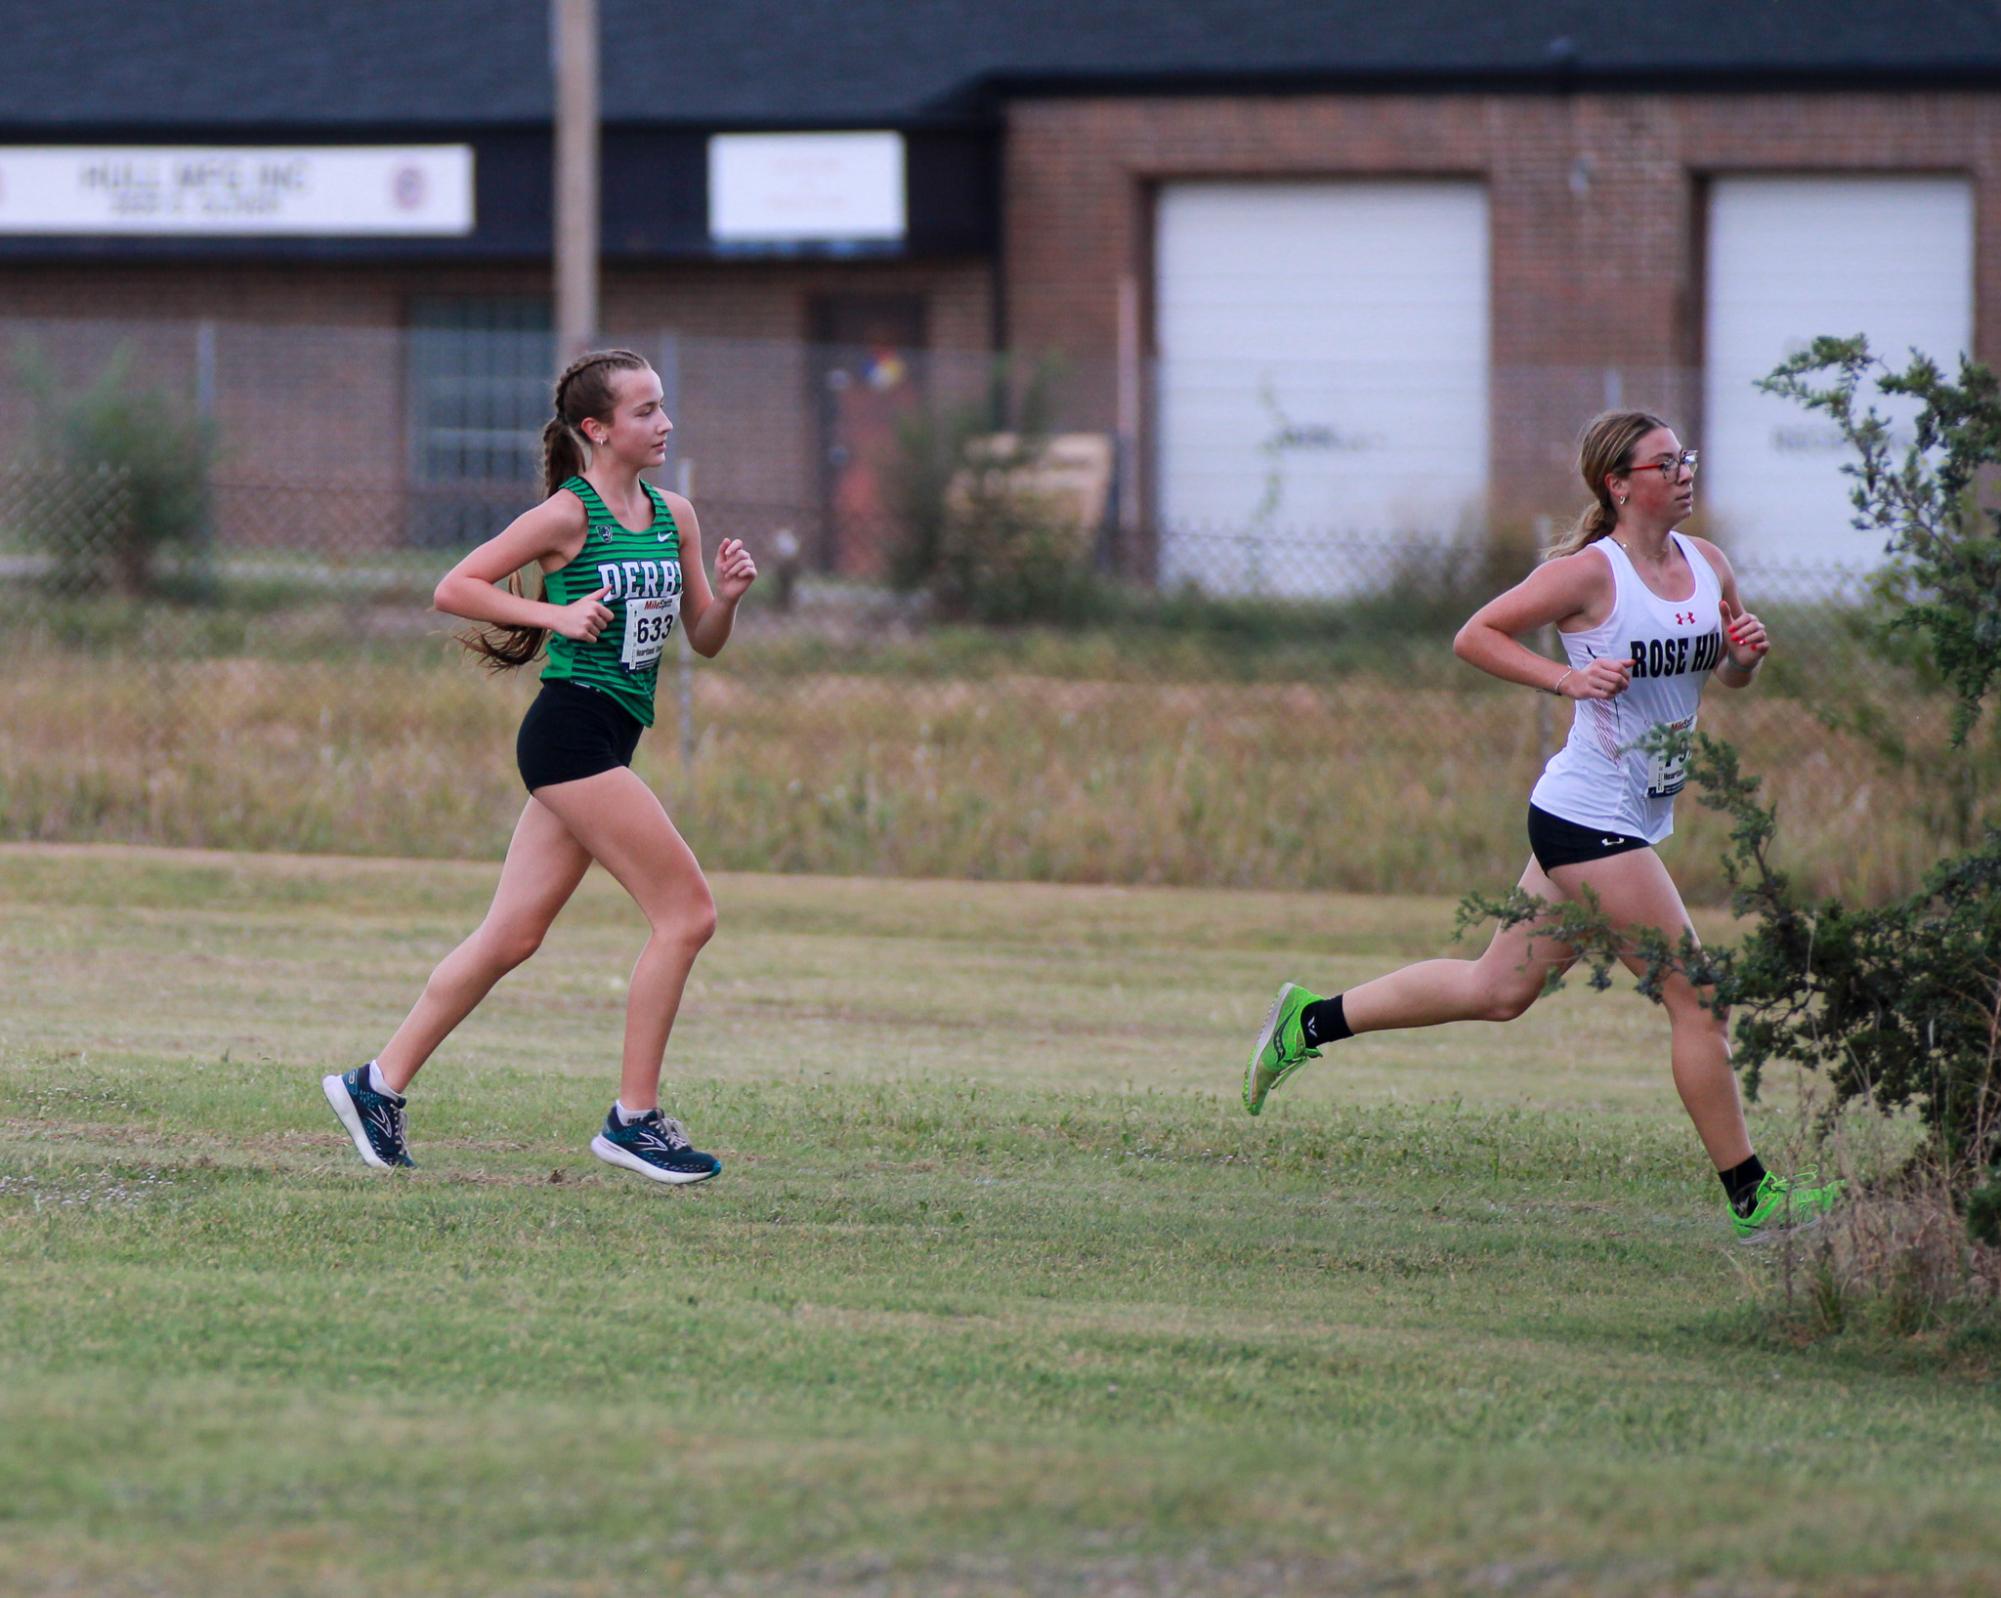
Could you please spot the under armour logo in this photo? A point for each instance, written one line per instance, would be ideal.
(1685, 617)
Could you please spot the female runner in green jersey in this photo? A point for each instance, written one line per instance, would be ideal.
(621, 564)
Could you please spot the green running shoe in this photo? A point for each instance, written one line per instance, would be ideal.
(1786, 1204)
(1281, 1046)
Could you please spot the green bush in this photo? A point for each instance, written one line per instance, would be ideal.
(1983, 1211)
(113, 473)
(967, 533)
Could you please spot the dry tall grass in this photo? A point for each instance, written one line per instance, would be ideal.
(1354, 782)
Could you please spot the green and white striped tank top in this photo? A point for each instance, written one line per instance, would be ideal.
(641, 576)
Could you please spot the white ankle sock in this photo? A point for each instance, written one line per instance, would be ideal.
(375, 1082)
(627, 1117)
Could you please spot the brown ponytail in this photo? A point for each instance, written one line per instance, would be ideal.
(1604, 448)
(583, 390)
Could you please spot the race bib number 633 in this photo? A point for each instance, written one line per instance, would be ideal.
(647, 624)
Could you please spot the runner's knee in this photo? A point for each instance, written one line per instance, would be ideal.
(506, 946)
(1688, 1007)
(1510, 1003)
(690, 921)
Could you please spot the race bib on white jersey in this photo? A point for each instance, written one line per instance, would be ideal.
(1667, 774)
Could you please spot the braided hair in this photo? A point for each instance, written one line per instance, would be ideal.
(583, 390)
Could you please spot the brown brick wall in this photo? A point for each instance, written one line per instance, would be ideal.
(311, 372)
(1595, 203)
(1595, 207)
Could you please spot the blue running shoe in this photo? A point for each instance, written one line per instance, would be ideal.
(656, 1146)
(374, 1120)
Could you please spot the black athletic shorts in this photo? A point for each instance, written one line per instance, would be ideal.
(571, 732)
(1555, 842)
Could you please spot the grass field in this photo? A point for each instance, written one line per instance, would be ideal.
(999, 1293)
(1045, 757)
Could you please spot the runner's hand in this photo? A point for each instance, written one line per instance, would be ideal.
(735, 570)
(1747, 642)
(1602, 679)
(583, 619)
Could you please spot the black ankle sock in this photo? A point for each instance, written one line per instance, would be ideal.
(1325, 1022)
(1740, 1182)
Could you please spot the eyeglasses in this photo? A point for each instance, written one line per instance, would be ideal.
(1669, 468)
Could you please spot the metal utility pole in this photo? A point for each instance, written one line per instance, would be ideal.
(574, 25)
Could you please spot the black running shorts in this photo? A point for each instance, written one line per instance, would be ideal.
(572, 732)
(1555, 842)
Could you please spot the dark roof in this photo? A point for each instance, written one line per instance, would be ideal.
(216, 65)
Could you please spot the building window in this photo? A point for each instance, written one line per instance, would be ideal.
(479, 375)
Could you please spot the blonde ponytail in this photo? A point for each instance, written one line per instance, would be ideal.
(1603, 448)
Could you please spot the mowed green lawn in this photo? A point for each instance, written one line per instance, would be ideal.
(1000, 1291)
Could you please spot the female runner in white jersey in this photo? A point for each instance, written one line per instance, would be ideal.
(1647, 615)
(624, 562)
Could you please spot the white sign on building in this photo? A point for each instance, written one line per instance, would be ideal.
(235, 190)
(797, 188)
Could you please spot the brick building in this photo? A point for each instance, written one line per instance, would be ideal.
(1326, 271)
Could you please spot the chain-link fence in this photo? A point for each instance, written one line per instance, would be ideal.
(979, 643)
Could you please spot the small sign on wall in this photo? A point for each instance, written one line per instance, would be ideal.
(806, 188)
(216, 191)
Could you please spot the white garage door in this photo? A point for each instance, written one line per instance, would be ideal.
(1791, 259)
(1322, 377)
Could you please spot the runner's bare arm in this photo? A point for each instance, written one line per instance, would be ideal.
(1572, 588)
(709, 612)
(1745, 639)
(551, 532)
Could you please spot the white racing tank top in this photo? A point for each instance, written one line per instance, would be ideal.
(1601, 777)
